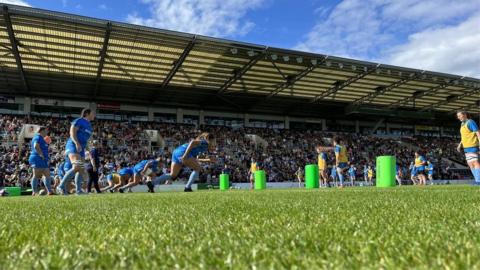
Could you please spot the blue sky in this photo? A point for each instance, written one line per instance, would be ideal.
(438, 35)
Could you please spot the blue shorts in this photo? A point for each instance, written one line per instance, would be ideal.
(138, 169)
(419, 170)
(71, 148)
(37, 162)
(67, 166)
(177, 154)
(342, 165)
(474, 149)
(125, 171)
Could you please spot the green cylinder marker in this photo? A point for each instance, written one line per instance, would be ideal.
(14, 191)
(260, 180)
(311, 176)
(224, 181)
(386, 171)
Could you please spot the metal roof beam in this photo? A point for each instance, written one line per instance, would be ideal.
(179, 62)
(103, 54)
(290, 81)
(336, 88)
(176, 67)
(430, 91)
(14, 49)
(475, 91)
(370, 97)
(239, 74)
(468, 107)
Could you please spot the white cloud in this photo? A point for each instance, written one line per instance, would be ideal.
(452, 49)
(103, 7)
(369, 29)
(15, 2)
(218, 18)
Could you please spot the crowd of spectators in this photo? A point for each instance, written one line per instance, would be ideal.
(281, 152)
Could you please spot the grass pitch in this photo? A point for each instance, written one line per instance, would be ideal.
(408, 227)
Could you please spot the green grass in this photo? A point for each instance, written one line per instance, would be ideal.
(408, 227)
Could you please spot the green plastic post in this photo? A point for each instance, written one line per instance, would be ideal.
(260, 180)
(386, 171)
(14, 191)
(224, 181)
(311, 176)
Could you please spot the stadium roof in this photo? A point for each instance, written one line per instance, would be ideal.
(45, 53)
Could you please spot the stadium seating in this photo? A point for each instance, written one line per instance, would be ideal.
(283, 154)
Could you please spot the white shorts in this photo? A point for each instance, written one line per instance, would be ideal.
(471, 156)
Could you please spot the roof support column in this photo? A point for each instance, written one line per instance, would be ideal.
(14, 44)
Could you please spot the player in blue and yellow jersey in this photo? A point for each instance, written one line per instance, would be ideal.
(187, 155)
(80, 132)
(470, 138)
(39, 161)
(322, 167)
(370, 174)
(420, 164)
(341, 158)
(253, 169)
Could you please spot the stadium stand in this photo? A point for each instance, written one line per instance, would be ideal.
(285, 151)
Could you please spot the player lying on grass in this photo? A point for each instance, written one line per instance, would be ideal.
(186, 156)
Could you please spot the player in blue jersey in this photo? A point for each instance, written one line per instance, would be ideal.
(365, 173)
(398, 174)
(146, 168)
(333, 174)
(118, 179)
(352, 174)
(39, 161)
(187, 155)
(429, 169)
(413, 173)
(80, 132)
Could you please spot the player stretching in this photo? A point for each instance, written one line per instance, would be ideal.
(186, 155)
(80, 133)
(470, 134)
(145, 168)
